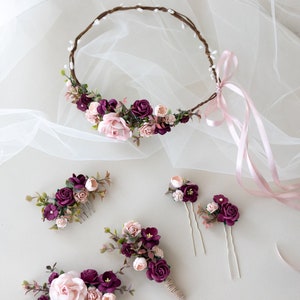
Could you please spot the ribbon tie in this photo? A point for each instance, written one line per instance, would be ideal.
(287, 194)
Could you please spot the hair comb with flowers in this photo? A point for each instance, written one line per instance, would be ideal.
(142, 244)
(221, 210)
(114, 119)
(73, 202)
(88, 284)
(185, 191)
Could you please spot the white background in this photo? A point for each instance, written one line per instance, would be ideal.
(137, 192)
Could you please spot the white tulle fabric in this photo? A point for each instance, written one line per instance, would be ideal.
(148, 55)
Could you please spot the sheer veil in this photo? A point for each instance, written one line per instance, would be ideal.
(147, 55)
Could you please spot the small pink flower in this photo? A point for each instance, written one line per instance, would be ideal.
(139, 264)
(109, 296)
(132, 228)
(212, 207)
(178, 195)
(158, 252)
(94, 294)
(81, 196)
(160, 110)
(93, 108)
(177, 181)
(91, 184)
(206, 223)
(93, 119)
(147, 130)
(170, 119)
(114, 127)
(61, 222)
(72, 92)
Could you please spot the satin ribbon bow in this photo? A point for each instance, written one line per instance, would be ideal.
(287, 194)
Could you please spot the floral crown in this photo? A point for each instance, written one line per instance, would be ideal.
(141, 244)
(88, 284)
(111, 117)
(73, 202)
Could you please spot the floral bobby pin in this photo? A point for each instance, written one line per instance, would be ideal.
(88, 284)
(185, 191)
(73, 202)
(221, 210)
(141, 244)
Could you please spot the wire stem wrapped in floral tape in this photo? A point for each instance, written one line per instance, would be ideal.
(185, 191)
(114, 119)
(73, 202)
(142, 244)
(88, 284)
(221, 210)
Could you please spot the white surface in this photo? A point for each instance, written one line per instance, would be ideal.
(138, 187)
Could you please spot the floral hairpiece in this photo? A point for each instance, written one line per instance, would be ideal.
(73, 202)
(221, 210)
(86, 285)
(111, 117)
(142, 244)
(185, 191)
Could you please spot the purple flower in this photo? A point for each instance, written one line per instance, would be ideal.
(43, 297)
(52, 276)
(126, 249)
(90, 277)
(141, 108)
(83, 102)
(106, 106)
(150, 237)
(78, 181)
(162, 128)
(220, 199)
(184, 119)
(190, 192)
(64, 197)
(108, 282)
(158, 271)
(229, 214)
(50, 212)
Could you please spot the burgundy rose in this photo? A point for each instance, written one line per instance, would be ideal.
(190, 192)
(126, 249)
(220, 199)
(83, 102)
(50, 212)
(78, 181)
(101, 109)
(64, 197)
(141, 108)
(108, 282)
(158, 271)
(162, 128)
(44, 297)
(112, 104)
(90, 277)
(52, 276)
(150, 237)
(229, 214)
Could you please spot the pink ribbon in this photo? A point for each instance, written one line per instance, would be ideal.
(287, 194)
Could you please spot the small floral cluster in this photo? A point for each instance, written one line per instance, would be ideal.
(113, 119)
(182, 189)
(220, 210)
(87, 285)
(142, 244)
(73, 201)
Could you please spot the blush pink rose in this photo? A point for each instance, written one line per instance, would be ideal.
(114, 127)
(177, 181)
(91, 184)
(109, 296)
(93, 108)
(94, 294)
(147, 130)
(160, 110)
(93, 119)
(68, 286)
(178, 195)
(132, 228)
(61, 222)
(139, 264)
(81, 196)
(170, 119)
(212, 207)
